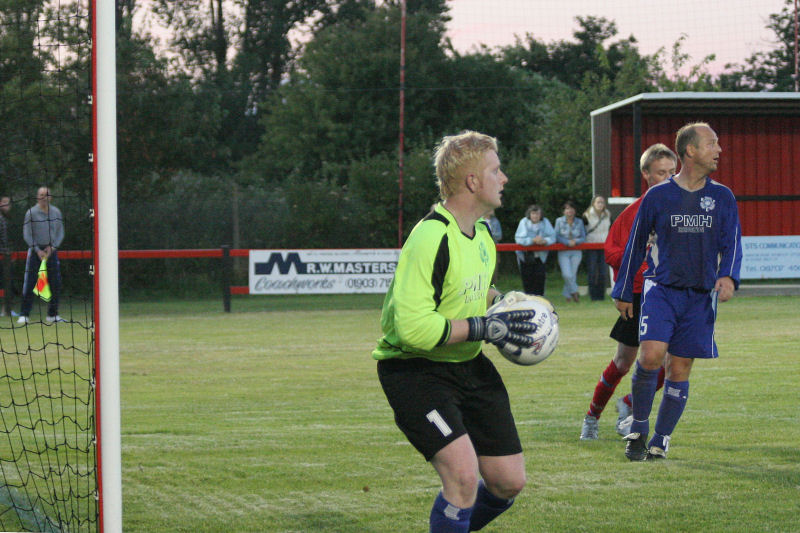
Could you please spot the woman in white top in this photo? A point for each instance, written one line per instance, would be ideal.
(534, 229)
(598, 221)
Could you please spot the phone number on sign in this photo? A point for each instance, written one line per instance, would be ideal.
(368, 283)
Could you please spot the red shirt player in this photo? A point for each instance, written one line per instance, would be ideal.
(657, 163)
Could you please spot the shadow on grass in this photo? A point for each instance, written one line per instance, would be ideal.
(325, 520)
(780, 469)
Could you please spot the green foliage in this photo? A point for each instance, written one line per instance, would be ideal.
(771, 70)
(43, 98)
(165, 125)
(485, 95)
(374, 188)
(295, 144)
(239, 53)
(329, 121)
(570, 61)
(341, 104)
(319, 211)
(697, 78)
(20, 57)
(557, 165)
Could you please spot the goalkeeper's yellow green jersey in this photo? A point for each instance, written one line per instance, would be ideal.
(441, 274)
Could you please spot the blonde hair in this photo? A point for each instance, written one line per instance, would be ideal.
(605, 211)
(456, 156)
(654, 153)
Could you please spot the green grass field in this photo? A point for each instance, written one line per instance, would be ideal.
(271, 419)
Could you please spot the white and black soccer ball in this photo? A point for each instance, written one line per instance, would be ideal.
(546, 334)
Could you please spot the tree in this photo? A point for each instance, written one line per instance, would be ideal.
(772, 70)
(557, 165)
(488, 96)
(340, 103)
(20, 57)
(239, 52)
(164, 124)
(44, 107)
(21, 78)
(682, 77)
(569, 61)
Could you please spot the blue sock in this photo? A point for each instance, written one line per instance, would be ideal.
(676, 393)
(643, 389)
(447, 518)
(487, 507)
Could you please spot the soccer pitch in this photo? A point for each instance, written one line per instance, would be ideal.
(274, 421)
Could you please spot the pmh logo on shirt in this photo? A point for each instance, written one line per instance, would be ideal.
(691, 223)
(707, 203)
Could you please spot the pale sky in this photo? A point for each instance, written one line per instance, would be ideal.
(731, 29)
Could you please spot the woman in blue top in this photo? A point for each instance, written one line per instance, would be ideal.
(533, 229)
(570, 231)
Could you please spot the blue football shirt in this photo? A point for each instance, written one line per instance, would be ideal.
(697, 238)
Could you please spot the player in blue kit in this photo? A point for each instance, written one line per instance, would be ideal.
(693, 264)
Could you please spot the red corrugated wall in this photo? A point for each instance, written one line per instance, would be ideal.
(760, 157)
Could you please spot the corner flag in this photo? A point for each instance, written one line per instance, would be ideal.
(42, 288)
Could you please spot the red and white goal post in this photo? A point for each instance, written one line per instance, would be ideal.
(106, 319)
(60, 460)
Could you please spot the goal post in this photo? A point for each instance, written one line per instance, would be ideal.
(60, 445)
(106, 310)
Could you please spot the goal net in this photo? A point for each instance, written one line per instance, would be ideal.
(50, 475)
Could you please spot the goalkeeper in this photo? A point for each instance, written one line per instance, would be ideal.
(446, 395)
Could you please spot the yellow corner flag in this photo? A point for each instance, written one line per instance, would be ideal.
(42, 288)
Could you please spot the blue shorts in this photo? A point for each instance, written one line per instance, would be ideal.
(683, 318)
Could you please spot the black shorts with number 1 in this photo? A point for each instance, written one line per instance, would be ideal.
(435, 403)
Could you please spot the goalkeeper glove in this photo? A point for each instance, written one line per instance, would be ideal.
(503, 328)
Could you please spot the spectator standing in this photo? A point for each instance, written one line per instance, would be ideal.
(598, 222)
(533, 229)
(570, 232)
(496, 229)
(657, 163)
(43, 231)
(494, 226)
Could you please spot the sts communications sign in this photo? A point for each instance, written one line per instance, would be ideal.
(771, 257)
(321, 271)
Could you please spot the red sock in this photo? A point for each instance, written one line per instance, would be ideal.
(604, 389)
(661, 374)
